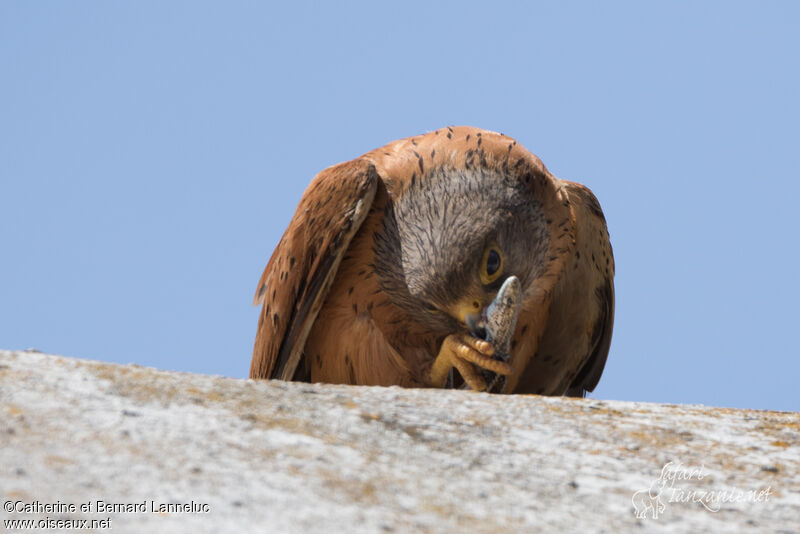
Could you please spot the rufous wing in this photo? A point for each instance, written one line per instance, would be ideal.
(304, 264)
(590, 373)
(593, 234)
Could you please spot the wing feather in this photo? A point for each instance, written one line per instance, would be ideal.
(303, 266)
(592, 218)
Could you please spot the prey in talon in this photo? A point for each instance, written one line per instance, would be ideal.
(497, 328)
(496, 325)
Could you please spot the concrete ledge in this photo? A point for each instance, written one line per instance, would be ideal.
(211, 454)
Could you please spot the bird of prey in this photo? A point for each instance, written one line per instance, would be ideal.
(387, 269)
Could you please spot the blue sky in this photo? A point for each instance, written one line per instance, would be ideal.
(152, 153)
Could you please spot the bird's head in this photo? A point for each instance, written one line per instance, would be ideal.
(452, 239)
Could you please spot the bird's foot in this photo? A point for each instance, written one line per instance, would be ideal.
(464, 352)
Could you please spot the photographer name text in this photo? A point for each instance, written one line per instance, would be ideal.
(106, 507)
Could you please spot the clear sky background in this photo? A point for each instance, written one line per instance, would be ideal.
(152, 154)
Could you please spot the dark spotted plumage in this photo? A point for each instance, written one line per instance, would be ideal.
(379, 268)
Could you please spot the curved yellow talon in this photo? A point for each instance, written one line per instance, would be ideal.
(464, 352)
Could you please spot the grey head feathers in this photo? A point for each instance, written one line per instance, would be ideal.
(432, 242)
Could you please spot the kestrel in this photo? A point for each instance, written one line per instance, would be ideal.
(387, 269)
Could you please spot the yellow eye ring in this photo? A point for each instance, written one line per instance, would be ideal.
(492, 265)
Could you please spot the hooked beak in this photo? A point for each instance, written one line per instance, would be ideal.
(496, 322)
(477, 325)
(471, 313)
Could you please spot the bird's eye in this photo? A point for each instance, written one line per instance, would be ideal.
(492, 262)
(492, 266)
(431, 308)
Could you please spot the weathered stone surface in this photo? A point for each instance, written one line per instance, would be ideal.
(281, 457)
